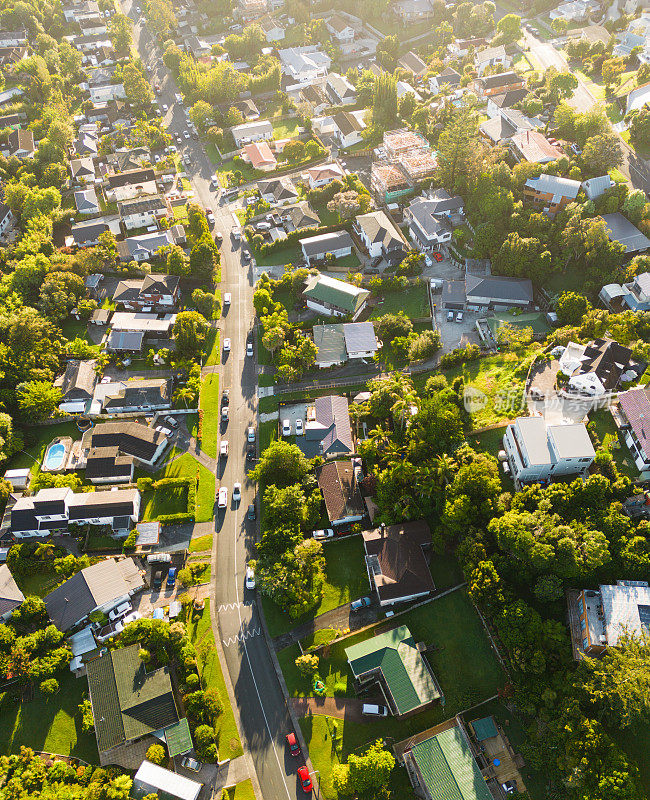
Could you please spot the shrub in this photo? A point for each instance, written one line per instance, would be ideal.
(460, 355)
(156, 754)
(129, 542)
(49, 687)
(87, 720)
(340, 689)
(307, 665)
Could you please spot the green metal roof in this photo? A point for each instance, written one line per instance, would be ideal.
(448, 767)
(404, 670)
(484, 728)
(334, 292)
(179, 738)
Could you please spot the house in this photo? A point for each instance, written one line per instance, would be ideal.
(497, 84)
(492, 57)
(319, 176)
(394, 661)
(59, 509)
(404, 88)
(11, 597)
(109, 452)
(638, 98)
(278, 191)
(124, 397)
(77, 385)
(632, 415)
(400, 141)
(15, 38)
(86, 201)
(534, 147)
(146, 245)
(348, 126)
(550, 193)
(82, 170)
(340, 29)
(499, 102)
(271, 28)
(258, 131)
(10, 95)
(13, 120)
(247, 109)
(327, 428)
(397, 563)
(152, 779)
(299, 217)
(412, 63)
(591, 34)
(442, 760)
(87, 142)
(427, 229)
(130, 703)
(379, 235)
(7, 218)
(131, 183)
(86, 234)
(156, 325)
(316, 248)
(595, 187)
(574, 11)
(503, 126)
(145, 211)
(389, 182)
(410, 11)
(445, 205)
(620, 229)
(634, 295)
(332, 297)
(259, 156)
(340, 342)
(148, 292)
(540, 453)
(341, 92)
(599, 367)
(21, 143)
(304, 64)
(338, 485)
(109, 91)
(487, 293)
(315, 97)
(447, 78)
(600, 618)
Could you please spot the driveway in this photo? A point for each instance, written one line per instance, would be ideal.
(456, 334)
(555, 408)
(339, 707)
(340, 618)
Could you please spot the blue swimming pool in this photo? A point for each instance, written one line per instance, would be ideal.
(54, 456)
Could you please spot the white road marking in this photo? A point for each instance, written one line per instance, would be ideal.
(242, 636)
(232, 606)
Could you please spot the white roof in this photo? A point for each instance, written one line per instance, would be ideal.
(140, 321)
(532, 431)
(625, 608)
(166, 781)
(572, 357)
(571, 441)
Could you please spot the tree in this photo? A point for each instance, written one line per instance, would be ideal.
(509, 28)
(202, 115)
(38, 399)
(634, 205)
(206, 303)
(60, 293)
(459, 152)
(548, 588)
(561, 84)
(156, 754)
(49, 687)
(387, 52)
(190, 330)
(364, 773)
(294, 151)
(204, 257)
(307, 665)
(640, 127)
(571, 308)
(612, 70)
(513, 337)
(560, 26)
(602, 153)
(136, 86)
(384, 104)
(349, 204)
(281, 464)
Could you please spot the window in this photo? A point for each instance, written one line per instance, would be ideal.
(583, 624)
(585, 644)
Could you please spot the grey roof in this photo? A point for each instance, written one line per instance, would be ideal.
(281, 188)
(326, 243)
(10, 595)
(301, 216)
(81, 167)
(490, 53)
(127, 341)
(422, 210)
(533, 434)
(333, 416)
(502, 79)
(448, 76)
(553, 184)
(620, 229)
(594, 187)
(139, 394)
(378, 228)
(88, 231)
(131, 177)
(499, 289)
(359, 336)
(571, 441)
(412, 62)
(509, 98)
(498, 128)
(78, 380)
(330, 341)
(444, 202)
(141, 205)
(340, 87)
(346, 122)
(86, 201)
(131, 438)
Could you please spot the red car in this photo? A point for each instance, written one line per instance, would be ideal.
(305, 780)
(437, 256)
(293, 744)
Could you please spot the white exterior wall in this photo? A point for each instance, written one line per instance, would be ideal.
(641, 460)
(141, 220)
(330, 312)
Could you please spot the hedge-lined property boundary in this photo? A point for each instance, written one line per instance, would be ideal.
(150, 485)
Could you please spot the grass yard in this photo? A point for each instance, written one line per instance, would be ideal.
(37, 439)
(199, 629)
(187, 466)
(445, 571)
(596, 89)
(607, 432)
(166, 500)
(209, 403)
(286, 129)
(242, 791)
(201, 544)
(248, 173)
(346, 580)
(284, 255)
(75, 329)
(53, 725)
(413, 302)
(267, 432)
(40, 582)
(213, 352)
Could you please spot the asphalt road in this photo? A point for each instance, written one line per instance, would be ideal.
(262, 710)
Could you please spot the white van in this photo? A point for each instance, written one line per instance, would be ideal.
(371, 710)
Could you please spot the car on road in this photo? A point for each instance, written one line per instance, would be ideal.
(215, 182)
(171, 578)
(292, 744)
(186, 134)
(209, 215)
(323, 533)
(164, 107)
(362, 602)
(450, 316)
(250, 452)
(224, 414)
(132, 617)
(245, 256)
(305, 780)
(223, 448)
(236, 492)
(226, 345)
(251, 514)
(218, 237)
(299, 428)
(164, 430)
(235, 233)
(250, 434)
(120, 611)
(227, 299)
(173, 423)
(225, 397)
(286, 427)
(249, 349)
(459, 316)
(437, 256)
(250, 578)
(222, 502)
(157, 87)
(191, 764)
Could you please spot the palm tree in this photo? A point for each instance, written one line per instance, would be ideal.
(185, 395)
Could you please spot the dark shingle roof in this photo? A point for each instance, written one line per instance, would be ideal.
(340, 491)
(78, 380)
(10, 595)
(132, 176)
(106, 462)
(132, 438)
(499, 289)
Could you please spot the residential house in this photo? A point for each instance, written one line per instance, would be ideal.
(591, 34)
(348, 126)
(152, 779)
(427, 229)
(497, 84)
(77, 385)
(304, 64)
(110, 91)
(534, 147)
(128, 159)
(333, 297)
(448, 78)
(400, 141)
(550, 193)
(595, 187)
(541, 453)
(11, 597)
(278, 191)
(125, 397)
(9, 56)
(149, 292)
(462, 47)
(130, 184)
(343, 501)
(634, 296)
(262, 130)
(10, 95)
(396, 558)
(620, 229)
(380, 237)
(394, 661)
(132, 703)
(314, 96)
(442, 760)
(145, 211)
(316, 177)
(92, 25)
(501, 128)
(7, 218)
(340, 29)
(492, 57)
(404, 88)
(412, 63)
(574, 10)
(13, 120)
(446, 205)
(86, 234)
(87, 141)
(599, 367)
(299, 217)
(632, 416)
(638, 98)
(86, 201)
(327, 428)
(271, 28)
(410, 11)
(82, 170)
(487, 293)
(389, 182)
(15, 38)
(259, 156)
(21, 143)
(247, 109)
(316, 248)
(339, 342)
(499, 102)
(340, 90)
(109, 452)
(146, 245)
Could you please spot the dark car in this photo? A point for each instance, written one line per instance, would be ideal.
(362, 602)
(250, 452)
(251, 513)
(156, 583)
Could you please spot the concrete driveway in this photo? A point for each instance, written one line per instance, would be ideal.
(554, 408)
(456, 334)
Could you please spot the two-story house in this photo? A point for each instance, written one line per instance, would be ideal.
(152, 291)
(427, 229)
(492, 57)
(497, 84)
(145, 211)
(379, 235)
(340, 28)
(131, 184)
(341, 92)
(550, 193)
(333, 297)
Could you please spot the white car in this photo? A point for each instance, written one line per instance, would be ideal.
(119, 626)
(173, 423)
(223, 498)
(191, 763)
(224, 414)
(325, 533)
(236, 492)
(250, 578)
(249, 348)
(186, 134)
(227, 299)
(286, 427)
(226, 345)
(164, 108)
(223, 450)
(210, 216)
(299, 428)
(164, 430)
(250, 433)
(120, 611)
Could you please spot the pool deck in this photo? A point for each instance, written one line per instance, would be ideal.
(61, 466)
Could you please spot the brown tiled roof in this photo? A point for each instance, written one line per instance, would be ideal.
(340, 491)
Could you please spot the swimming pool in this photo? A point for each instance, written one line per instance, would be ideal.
(54, 456)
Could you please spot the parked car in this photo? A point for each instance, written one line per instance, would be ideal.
(164, 430)
(437, 256)
(122, 623)
(120, 611)
(373, 710)
(249, 349)
(236, 492)
(224, 414)
(171, 578)
(459, 316)
(292, 743)
(209, 216)
(286, 427)
(156, 581)
(226, 345)
(223, 497)
(250, 434)
(252, 514)
(362, 602)
(191, 763)
(250, 452)
(323, 533)
(450, 316)
(299, 428)
(225, 397)
(186, 134)
(172, 422)
(227, 299)
(305, 780)
(250, 578)
(223, 449)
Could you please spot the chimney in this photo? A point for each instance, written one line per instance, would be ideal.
(382, 530)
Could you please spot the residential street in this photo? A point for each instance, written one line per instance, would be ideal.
(260, 707)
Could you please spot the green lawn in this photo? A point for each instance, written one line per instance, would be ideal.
(445, 570)
(39, 582)
(247, 171)
(53, 725)
(213, 353)
(607, 432)
(284, 255)
(413, 302)
(286, 129)
(200, 633)
(201, 543)
(242, 791)
(37, 439)
(165, 500)
(209, 403)
(347, 579)
(267, 432)
(75, 329)
(187, 466)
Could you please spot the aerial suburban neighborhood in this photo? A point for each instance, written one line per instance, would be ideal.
(324, 400)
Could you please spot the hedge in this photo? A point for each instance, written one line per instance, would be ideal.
(303, 233)
(148, 484)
